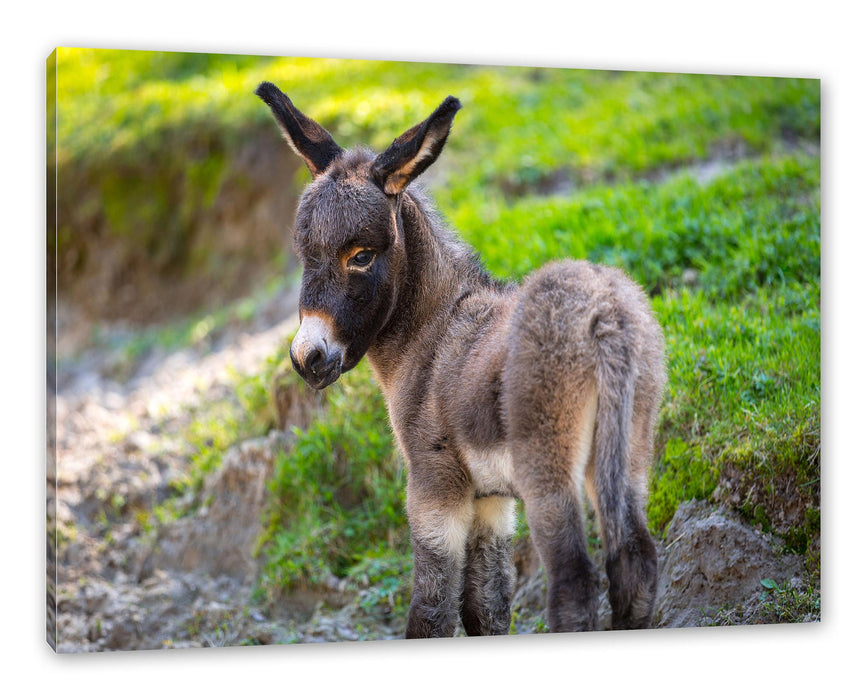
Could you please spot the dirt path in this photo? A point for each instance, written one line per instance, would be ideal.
(119, 447)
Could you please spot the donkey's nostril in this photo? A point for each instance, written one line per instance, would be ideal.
(315, 360)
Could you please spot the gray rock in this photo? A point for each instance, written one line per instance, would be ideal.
(220, 538)
(711, 559)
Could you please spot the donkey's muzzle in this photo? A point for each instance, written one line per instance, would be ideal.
(318, 367)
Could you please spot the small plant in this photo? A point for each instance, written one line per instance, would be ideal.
(383, 579)
(776, 603)
(785, 603)
(336, 493)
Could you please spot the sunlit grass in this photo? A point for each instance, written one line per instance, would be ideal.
(744, 390)
(145, 139)
(516, 119)
(755, 224)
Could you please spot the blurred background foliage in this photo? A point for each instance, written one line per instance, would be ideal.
(165, 160)
(173, 182)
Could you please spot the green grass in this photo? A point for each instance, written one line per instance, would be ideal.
(758, 224)
(151, 136)
(744, 393)
(127, 104)
(336, 499)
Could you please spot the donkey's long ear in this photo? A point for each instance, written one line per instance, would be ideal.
(413, 152)
(308, 139)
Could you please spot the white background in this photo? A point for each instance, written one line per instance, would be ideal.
(816, 40)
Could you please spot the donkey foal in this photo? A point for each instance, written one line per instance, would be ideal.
(494, 391)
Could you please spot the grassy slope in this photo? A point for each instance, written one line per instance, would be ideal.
(743, 397)
(733, 264)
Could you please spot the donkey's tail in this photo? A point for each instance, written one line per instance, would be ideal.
(631, 559)
(616, 374)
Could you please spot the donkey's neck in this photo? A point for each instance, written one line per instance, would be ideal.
(440, 270)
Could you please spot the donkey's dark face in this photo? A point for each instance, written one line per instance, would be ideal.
(348, 234)
(347, 238)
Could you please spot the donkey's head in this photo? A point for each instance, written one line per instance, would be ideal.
(349, 234)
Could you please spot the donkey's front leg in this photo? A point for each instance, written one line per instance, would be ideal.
(440, 516)
(490, 575)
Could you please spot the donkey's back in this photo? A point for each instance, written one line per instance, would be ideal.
(548, 389)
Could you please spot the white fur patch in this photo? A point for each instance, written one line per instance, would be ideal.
(491, 469)
(315, 330)
(496, 513)
(456, 531)
(447, 531)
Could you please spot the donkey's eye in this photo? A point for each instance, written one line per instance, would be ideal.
(362, 258)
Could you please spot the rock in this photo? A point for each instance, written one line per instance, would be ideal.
(220, 539)
(139, 441)
(712, 559)
(690, 277)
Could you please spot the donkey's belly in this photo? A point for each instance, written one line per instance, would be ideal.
(491, 470)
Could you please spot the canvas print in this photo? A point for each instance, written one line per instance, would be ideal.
(352, 350)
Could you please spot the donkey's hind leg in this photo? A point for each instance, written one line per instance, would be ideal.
(631, 571)
(552, 501)
(489, 577)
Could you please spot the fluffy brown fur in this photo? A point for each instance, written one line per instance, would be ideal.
(494, 391)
